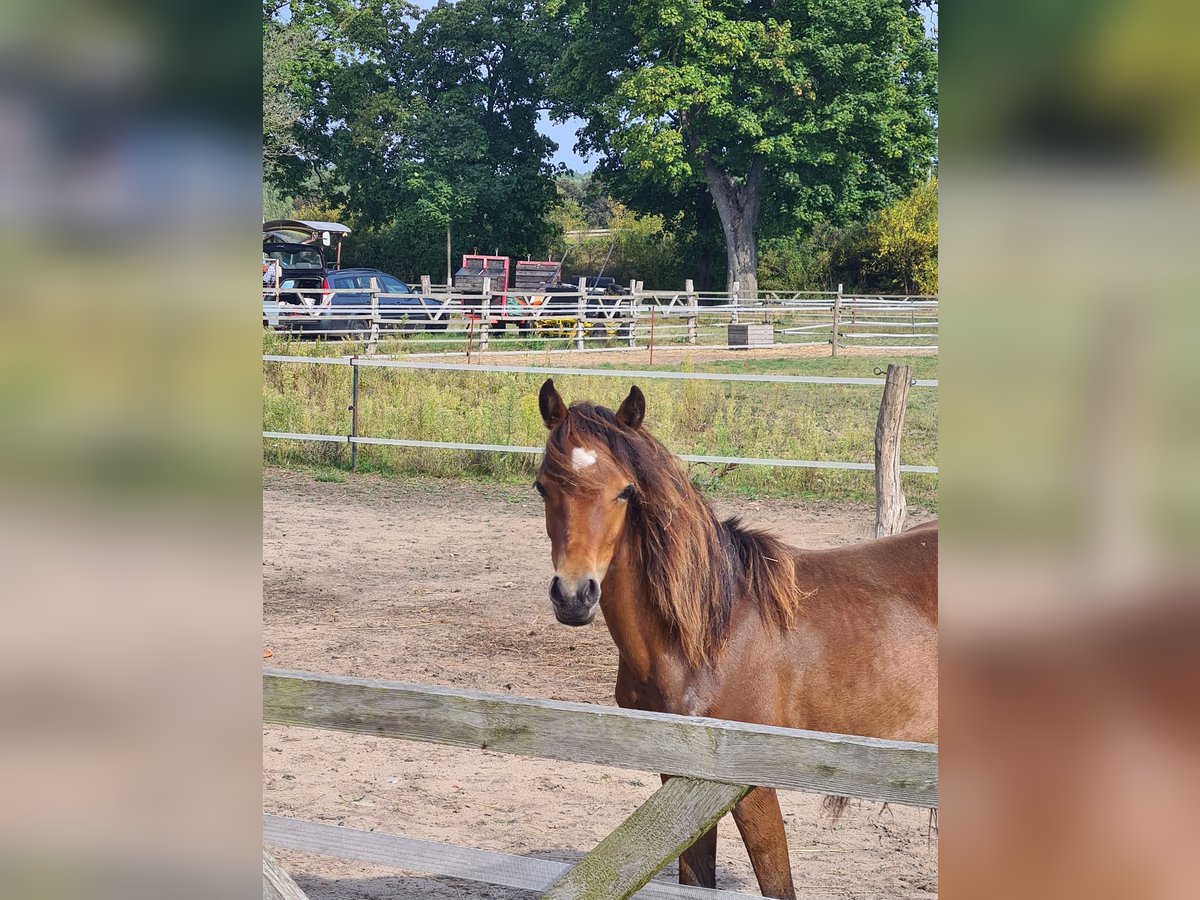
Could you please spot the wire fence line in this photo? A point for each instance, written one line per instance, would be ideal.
(354, 440)
(371, 362)
(509, 448)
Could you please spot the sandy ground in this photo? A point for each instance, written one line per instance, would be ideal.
(444, 582)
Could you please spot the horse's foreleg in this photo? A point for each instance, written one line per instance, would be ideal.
(698, 863)
(761, 823)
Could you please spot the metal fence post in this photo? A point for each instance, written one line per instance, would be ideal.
(353, 413)
(837, 319)
(733, 317)
(581, 313)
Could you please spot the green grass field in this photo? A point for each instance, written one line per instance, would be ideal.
(822, 422)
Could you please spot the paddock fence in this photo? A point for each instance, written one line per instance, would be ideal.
(443, 320)
(714, 763)
(354, 440)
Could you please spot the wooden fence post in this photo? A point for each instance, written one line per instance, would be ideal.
(889, 495)
(693, 309)
(278, 884)
(485, 311)
(837, 319)
(373, 337)
(426, 285)
(581, 313)
(652, 308)
(633, 311)
(733, 318)
(659, 830)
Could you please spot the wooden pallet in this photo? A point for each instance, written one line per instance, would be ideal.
(749, 336)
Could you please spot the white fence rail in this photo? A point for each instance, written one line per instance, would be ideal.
(354, 440)
(445, 317)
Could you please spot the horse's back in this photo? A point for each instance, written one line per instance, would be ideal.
(901, 566)
(863, 658)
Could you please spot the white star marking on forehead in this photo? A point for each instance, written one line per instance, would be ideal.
(581, 458)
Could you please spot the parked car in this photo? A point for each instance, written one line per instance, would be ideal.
(302, 271)
(294, 252)
(605, 286)
(344, 307)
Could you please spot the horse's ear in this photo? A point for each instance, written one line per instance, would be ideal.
(551, 404)
(633, 409)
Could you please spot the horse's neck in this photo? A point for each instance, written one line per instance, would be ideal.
(650, 652)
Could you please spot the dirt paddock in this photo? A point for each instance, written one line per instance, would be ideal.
(444, 582)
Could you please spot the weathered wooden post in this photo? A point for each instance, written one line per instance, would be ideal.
(837, 319)
(485, 311)
(277, 883)
(581, 313)
(733, 318)
(659, 830)
(373, 340)
(652, 308)
(890, 507)
(689, 288)
(427, 294)
(634, 303)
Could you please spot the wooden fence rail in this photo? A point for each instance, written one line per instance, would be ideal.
(711, 749)
(445, 860)
(718, 762)
(587, 321)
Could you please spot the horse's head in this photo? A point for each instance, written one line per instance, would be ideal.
(587, 490)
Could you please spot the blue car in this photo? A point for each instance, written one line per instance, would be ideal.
(343, 309)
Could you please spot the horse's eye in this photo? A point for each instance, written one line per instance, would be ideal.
(626, 493)
(541, 490)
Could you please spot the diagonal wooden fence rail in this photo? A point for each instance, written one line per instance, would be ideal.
(719, 762)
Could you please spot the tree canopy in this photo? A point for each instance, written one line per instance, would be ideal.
(722, 123)
(787, 111)
(416, 123)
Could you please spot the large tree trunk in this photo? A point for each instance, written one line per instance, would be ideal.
(706, 221)
(738, 205)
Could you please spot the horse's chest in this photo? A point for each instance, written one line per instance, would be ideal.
(653, 695)
(637, 694)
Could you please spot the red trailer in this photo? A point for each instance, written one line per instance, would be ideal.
(532, 277)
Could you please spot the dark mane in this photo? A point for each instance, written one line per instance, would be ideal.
(696, 567)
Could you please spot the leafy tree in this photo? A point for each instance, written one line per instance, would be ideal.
(690, 213)
(416, 124)
(894, 251)
(904, 241)
(786, 111)
(637, 246)
(282, 49)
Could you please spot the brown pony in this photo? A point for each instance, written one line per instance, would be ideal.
(712, 618)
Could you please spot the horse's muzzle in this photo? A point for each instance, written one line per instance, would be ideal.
(575, 604)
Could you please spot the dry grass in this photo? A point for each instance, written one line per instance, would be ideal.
(820, 422)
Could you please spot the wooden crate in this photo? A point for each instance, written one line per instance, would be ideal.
(749, 336)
